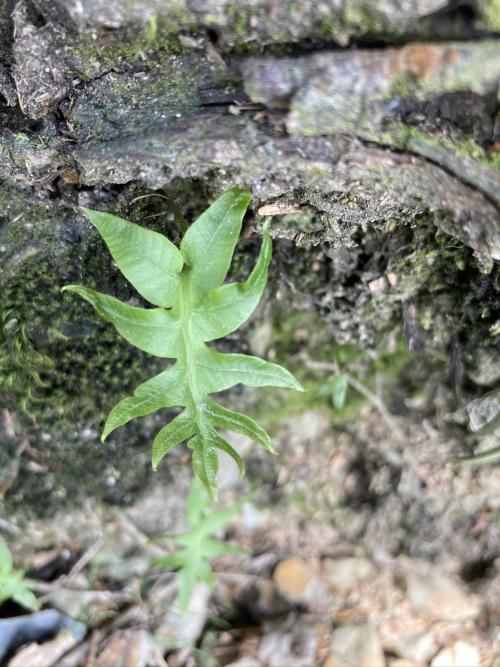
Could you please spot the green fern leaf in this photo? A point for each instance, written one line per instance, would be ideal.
(194, 308)
(13, 584)
(197, 546)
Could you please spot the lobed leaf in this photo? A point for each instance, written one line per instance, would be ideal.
(197, 501)
(25, 597)
(220, 518)
(13, 585)
(186, 581)
(149, 261)
(198, 545)
(171, 560)
(339, 386)
(205, 463)
(234, 421)
(179, 429)
(221, 371)
(165, 390)
(6, 562)
(215, 548)
(155, 331)
(226, 308)
(209, 243)
(206, 574)
(224, 446)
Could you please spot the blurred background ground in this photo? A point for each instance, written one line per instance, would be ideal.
(366, 545)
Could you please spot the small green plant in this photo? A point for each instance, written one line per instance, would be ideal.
(336, 389)
(13, 585)
(194, 307)
(198, 546)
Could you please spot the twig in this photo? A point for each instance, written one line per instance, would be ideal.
(95, 639)
(137, 534)
(64, 582)
(8, 527)
(172, 207)
(7, 483)
(84, 560)
(46, 588)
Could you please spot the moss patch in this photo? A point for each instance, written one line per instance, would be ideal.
(490, 12)
(128, 48)
(61, 367)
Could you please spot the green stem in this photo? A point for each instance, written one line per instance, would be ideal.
(486, 455)
(187, 338)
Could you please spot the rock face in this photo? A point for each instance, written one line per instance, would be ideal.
(355, 645)
(382, 160)
(441, 598)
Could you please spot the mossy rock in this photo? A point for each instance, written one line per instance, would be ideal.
(62, 368)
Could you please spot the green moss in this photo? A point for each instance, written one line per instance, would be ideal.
(159, 36)
(331, 26)
(115, 105)
(239, 19)
(476, 70)
(451, 292)
(21, 364)
(452, 299)
(490, 12)
(386, 364)
(403, 137)
(467, 148)
(360, 19)
(31, 299)
(403, 85)
(463, 157)
(455, 296)
(61, 369)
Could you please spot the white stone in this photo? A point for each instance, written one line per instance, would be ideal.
(344, 573)
(182, 630)
(418, 647)
(357, 645)
(460, 654)
(245, 662)
(297, 582)
(377, 285)
(431, 592)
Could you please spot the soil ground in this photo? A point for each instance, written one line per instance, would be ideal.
(366, 545)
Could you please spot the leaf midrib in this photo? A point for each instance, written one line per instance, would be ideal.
(186, 312)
